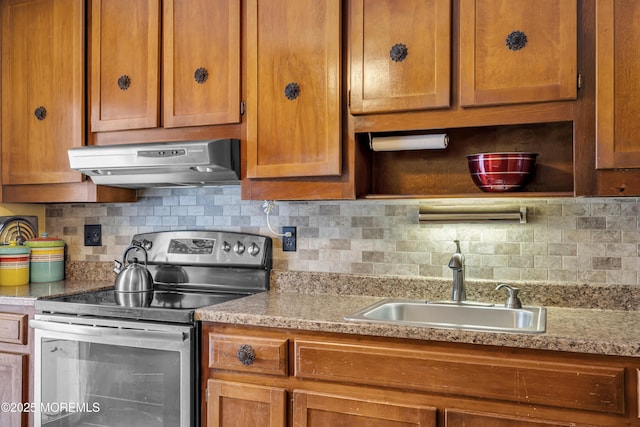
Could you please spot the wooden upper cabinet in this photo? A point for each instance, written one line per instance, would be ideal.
(124, 69)
(293, 88)
(517, 51)
(201, 65)
(42, 89)
(400, 55)
(198, 81)
(617, 84)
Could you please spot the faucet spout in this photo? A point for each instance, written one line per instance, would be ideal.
(456, 263)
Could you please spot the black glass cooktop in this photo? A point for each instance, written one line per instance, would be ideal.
(166, 305)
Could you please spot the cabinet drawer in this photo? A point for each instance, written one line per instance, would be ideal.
(13, 328)
(249, 354)
(517, 378)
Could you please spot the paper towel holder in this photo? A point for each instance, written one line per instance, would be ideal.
(407, 142)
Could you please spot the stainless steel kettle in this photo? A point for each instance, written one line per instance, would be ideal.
(134, 277)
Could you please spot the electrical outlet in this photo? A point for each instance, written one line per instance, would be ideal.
(289, 242)
(93, 235)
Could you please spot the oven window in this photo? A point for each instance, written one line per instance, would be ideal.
(96, 384)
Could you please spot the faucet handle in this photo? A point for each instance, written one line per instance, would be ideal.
(513, 301)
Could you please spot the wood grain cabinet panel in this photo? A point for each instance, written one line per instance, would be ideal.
(14, 386)
(42, 90)
(617, 85)
(517, 51)
(237, 404)
(124, 68)
(400, 55)
(201, 62)
(456, 418)
(294, 88)
(260, 355)
(359, 381)
(593, 388)
(13, 328)
(328, 410)
(170, 59)
(16, 363)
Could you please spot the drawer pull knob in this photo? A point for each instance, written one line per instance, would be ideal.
(398, 52)
(246, 355)
(516, 40)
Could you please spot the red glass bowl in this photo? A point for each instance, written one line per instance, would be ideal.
(501, 172)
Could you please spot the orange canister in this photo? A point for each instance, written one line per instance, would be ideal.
(47, 259)
(14, 265)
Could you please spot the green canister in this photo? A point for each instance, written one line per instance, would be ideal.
(47, 259)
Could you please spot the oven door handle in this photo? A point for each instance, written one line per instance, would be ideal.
(106, 331)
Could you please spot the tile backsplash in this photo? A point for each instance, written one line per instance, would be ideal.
(574, 240)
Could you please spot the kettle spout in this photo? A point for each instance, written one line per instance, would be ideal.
(117, 266)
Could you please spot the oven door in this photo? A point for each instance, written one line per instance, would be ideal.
(91, 372)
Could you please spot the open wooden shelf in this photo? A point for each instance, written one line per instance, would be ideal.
(445, 173)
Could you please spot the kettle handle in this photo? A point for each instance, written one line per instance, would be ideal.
(124, 256)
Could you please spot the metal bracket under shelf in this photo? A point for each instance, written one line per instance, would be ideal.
(483, 213)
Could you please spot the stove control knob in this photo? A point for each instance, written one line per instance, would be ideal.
(147, 244)
(226, 246)
(238, 248)
(254, 249)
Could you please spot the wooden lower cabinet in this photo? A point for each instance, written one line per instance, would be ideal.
(350, 380)
(13, 390)
(16, 365)
(322, 409)
(237, 404)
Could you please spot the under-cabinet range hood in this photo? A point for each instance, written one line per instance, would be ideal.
(163, 164)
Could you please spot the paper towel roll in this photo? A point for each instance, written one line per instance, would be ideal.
(409, 142)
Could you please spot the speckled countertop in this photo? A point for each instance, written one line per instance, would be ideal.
(584, 319)
(79, 277)
(27, 294)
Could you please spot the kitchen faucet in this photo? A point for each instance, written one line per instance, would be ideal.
(456, 263)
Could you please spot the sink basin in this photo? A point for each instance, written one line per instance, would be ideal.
(447, 315)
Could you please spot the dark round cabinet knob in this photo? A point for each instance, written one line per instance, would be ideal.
(40, 113)
(124, 82)
(246, 355)
(516, 40)
(201, 75)
(292, 91)
(398, 52)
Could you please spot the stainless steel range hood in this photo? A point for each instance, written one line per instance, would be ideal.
(163, 164)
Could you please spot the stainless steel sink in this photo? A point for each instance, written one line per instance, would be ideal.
(468, 316)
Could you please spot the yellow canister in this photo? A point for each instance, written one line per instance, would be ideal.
(14, 265)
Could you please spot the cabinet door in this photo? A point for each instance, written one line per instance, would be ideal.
(293, 88)
(245, 405)
(617, 85)
(201, 62)
(517, 51)
(124, 69)
(457, 418)
(400, 55)
(326, 410)
(13, 387)
(42, 89)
